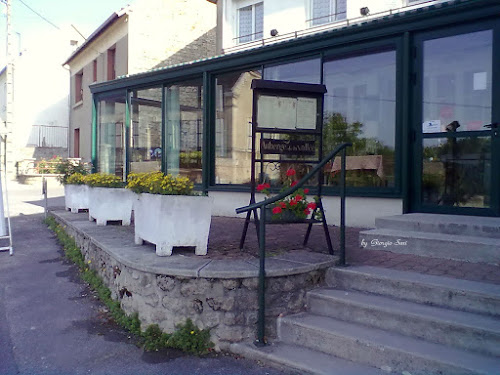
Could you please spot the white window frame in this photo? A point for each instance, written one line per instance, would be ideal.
(332, 17)
(252, 36)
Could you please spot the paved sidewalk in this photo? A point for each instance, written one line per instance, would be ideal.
(50, 323)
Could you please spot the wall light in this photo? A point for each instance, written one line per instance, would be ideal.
(364, 11)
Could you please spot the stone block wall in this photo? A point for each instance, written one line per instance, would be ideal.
(226, 306)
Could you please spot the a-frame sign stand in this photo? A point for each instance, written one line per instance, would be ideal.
(287, 123)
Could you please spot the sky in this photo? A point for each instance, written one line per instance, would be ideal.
(27, 26)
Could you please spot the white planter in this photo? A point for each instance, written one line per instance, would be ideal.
(110, 204)
(173, 220)
(76, 197)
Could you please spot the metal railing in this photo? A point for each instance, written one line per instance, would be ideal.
(261, 340)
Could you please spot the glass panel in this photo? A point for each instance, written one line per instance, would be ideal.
(110, 135)
(184, 129)
(145, 130)
(233, 154)
(457, 82)
(245, 24)
(360, 107)
(306, 71)
(341, 10)
(456, 171)
(259, 20)
(321, 10)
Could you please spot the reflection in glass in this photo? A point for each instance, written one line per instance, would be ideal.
(233, 140)
(306, 71)
(110, 135)
(145, 130)
(360, 107)
(457, 81)
(184, 129)
(456, 171)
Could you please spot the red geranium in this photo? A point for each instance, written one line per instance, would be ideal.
(283, 204)
(293, 202)
(277, 210)
(293, 183)
(311, 205)
(290, 172)
(298, 197)
(306, 191)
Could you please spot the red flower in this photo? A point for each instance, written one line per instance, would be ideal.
(307, 211)
(298, 197)
(293, 183)
(264, 186)
(277, 210)
(283, 204)
(306, 191)
(290, 172)
(311, 205)
(293, 202)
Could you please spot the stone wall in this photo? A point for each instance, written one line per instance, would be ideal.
(227, 306)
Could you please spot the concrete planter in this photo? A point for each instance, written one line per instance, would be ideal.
(110, 204)
(76, 197)
(173, 220)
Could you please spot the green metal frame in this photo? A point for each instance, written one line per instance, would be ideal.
(399, 30)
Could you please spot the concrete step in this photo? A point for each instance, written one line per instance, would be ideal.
(303, 360)
(445, 224)
(436, 245)
(441, 291)
(381, 349)
(464, 330)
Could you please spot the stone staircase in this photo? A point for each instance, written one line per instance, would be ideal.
(464, 238)
(372, 320)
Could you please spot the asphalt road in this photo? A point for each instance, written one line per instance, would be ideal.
(51, 323)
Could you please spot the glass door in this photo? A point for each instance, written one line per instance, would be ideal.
(456, 151)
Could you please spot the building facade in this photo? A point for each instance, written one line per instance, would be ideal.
(146, 35)
(414, 91)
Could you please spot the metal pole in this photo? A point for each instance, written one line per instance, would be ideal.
(261, 324)
(342, 209)
(44, 192)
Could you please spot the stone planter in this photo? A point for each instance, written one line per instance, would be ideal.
(76, 197)
(110, 204)
(173, 220)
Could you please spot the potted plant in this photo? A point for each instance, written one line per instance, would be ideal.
(108, 200)
(76, 193)
(293, 208)
(167, 213)
(71, 174)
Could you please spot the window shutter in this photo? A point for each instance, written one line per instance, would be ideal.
(245, 24)
(259, 20)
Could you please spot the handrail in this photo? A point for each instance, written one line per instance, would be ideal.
(298, 185)
(261, 338)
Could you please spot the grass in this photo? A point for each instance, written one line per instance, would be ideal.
(187, 337)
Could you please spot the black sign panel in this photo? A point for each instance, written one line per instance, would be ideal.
(287, 147)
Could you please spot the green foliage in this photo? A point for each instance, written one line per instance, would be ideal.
(187, 337)
(190, 159)
(49, 166)
(67, 168)
(104, 180)
(75, 179)
(191, 339)
(158, 183)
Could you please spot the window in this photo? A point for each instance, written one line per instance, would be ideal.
(79, 86)
(145, 128)
(111, 64)
(94, 71)
(76, 143)
(326, 11)
(360, 108)
(233, 148)
(305, 71)
(250, 22)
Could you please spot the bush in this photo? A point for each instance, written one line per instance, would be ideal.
(75, 179)
(67, 168)
(158, 183)
(103, 180)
